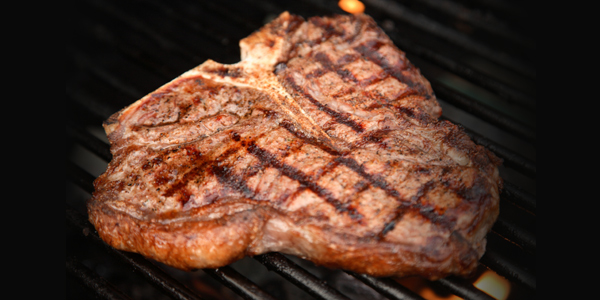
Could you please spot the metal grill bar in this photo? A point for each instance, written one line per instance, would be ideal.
(388, 287)
(472, 106)
(509, 261)
(300, 277)
(511, 158)
(165, 282)
(507, 228)
(515, 224)
(235, 281)
(462, 288)
(100, 148)
(400, 12)
(90, 142)
(477, 19)
(94, 144)
(159, 278)
(163, 55)
(505, 91)
(227, 275)
(456, 98)
(516, 195)
(98, 71)
(146, 29)
(518, 235)
(238, 283)
(152, 273)
(92, 281)
(80, 177)
(274, 261)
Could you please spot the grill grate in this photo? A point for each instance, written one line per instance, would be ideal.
(478, 56)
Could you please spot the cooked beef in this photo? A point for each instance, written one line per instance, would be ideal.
(322, 142)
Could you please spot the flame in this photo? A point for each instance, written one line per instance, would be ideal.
(352, 6)
(488, 281)
(425, 289)
(493, 284)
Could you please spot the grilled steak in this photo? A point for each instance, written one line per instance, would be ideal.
(322, 142)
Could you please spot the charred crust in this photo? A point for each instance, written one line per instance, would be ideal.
(343, 118)
(113, 119)
(270, 160)
(389, 226)
(284, 25)
(403, 73)
(226, 71)
(328, 65)
(291, 128)
(329, 30)
(228, 178)
(158, 173)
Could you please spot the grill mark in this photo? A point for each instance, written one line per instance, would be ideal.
(226, 177)
(347, 58)
(389, 103)
(324, 60)
(329, 29)
(373, 79)
(326, 169)
(374, 180)
(296, 193)
(361, 186)
(178, 187)
(269, 159)
(308, 139)
(375, 57)
(238, 183)
(371, 54)
(293, 24)
(403, 205)
(426, 211)
(392, 104)
(202, 165)
(222, 172)
(227, 71)
(341, 118)
(407, 93)
(375, 136)
(389, 226)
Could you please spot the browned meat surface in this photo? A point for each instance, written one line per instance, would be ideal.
(322, 142)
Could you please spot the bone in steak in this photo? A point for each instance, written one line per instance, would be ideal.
(322, 142)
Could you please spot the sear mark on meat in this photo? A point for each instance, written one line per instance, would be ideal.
(322, 142)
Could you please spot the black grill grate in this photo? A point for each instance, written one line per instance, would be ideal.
(478, 56)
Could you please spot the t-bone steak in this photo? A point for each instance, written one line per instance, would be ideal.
(323, 142)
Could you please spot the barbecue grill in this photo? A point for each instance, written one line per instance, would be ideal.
(478, 56)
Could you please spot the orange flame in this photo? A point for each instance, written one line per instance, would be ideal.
(488, 281)
(493, 284)
(352, 6)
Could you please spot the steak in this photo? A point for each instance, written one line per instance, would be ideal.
(323, 142)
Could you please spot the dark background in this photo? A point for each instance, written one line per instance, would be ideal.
(478, 55)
